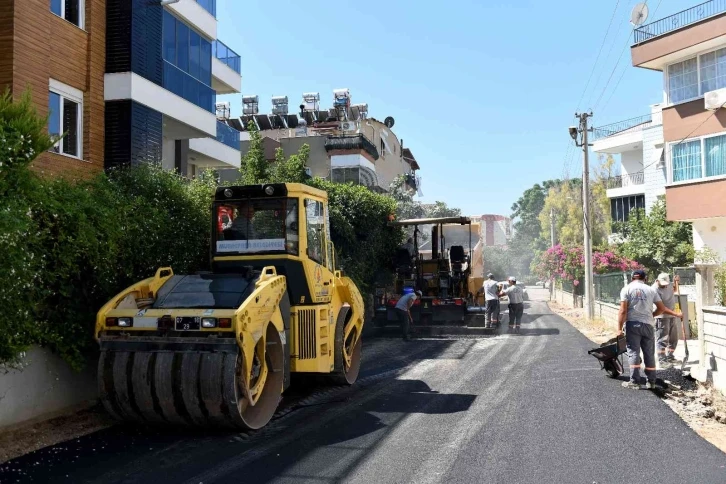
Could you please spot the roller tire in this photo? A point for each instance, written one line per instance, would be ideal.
(341, 375)
(197, 389)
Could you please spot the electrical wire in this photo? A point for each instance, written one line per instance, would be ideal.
(626, 67)
(597, 58)
(688, 135)
(617, 63)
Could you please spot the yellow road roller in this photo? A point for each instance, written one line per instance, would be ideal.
(217, 348)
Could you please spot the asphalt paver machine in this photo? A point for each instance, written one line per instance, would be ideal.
(442, 274)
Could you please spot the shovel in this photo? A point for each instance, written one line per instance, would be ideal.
(686, 374)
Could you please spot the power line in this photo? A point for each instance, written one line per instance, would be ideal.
(626, 67)
(617, 62)
(597, 58)
(688, 135)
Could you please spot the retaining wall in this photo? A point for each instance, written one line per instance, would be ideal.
(714, 345)
(44, 388)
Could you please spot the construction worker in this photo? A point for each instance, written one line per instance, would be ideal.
(491, 298)
(516, 304)
(636, 317)
(403, 311)
(409, 247)
(666, 329)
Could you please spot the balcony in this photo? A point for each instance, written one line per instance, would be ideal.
(227, 56)
(679, 20)
(200, 14)
(226, 68)
(227, 135)
(622, 136)
(189, 88)
(629, 179)
(679, 36)
(629, 125)
(351, 142)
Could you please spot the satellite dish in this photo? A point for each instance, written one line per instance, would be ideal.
(639, 14)
(389, 122)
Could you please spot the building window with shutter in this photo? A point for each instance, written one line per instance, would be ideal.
(71, 10)
(65, 118)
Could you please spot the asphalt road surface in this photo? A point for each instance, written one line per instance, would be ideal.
(528, 408)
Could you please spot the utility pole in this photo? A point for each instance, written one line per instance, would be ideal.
(587, 231)
(552, 226)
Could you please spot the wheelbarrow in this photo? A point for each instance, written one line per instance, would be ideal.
(608, 354)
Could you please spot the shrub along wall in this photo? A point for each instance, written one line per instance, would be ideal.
(67, 246)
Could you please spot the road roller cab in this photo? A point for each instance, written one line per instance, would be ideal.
(217, 348)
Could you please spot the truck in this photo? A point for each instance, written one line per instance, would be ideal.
(218, 348)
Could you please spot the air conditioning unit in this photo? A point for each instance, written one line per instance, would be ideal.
(223, 110)
(348, 126)
(715, 99)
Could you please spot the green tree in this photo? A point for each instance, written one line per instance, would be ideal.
(525, 213)
(656, 243)
(440, 209)
(565, 201)
(406, 206)
(254, 168)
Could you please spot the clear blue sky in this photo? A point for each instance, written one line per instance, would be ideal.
(482, 92)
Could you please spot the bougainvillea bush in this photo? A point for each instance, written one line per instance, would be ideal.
(568, 263)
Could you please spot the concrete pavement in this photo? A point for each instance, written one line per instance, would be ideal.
(529, 408)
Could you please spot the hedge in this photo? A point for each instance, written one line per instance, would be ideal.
(67, 246)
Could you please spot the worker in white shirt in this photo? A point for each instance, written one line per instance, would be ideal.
(516, 304)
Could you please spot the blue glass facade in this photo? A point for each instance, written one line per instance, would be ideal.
(187, 63)
(227, 135)
(209, 5)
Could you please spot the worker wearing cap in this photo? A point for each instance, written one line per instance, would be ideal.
(516, 304)
(636, 317)
(491, 298)
(403, 311)
(666, 328)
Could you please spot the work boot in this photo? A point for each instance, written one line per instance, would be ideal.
(650, 385)
(664, 364)
(631, 385)
(511, 329)
(516, 329)
(671, 358)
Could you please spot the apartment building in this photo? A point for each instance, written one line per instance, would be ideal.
(639, 177)
(128, 81)
(689, 49)
(346, 146)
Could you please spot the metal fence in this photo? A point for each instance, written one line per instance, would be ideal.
(626, 180)
(569, 286)
(620, 126)
(678, 20)
(608, 286)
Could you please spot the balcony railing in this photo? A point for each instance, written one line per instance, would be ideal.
(351, 142)
(189, 88)
(227, 56)
(630, 179)
(227, 135)
(209, 5)
(621, 126)
(678, 20)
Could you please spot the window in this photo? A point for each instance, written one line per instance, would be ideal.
(383, 148)
(71, 10)
(257, 226)
(699, 158)
(620, 208)
(683, 81)
(169, 38)
(65, 117)
(315, 230)
(713, 70)
(715, 155)
(686, 161)
(186, 49)
(694, 77)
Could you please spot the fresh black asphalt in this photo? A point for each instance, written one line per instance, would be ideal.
(528, 408)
